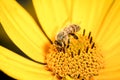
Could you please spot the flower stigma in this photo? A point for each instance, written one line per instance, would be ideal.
(79, 59)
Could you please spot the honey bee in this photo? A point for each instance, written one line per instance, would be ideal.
(62, 38)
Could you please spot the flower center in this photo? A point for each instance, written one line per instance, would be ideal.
(80, 60)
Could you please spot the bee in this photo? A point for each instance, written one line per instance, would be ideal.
(62, 38)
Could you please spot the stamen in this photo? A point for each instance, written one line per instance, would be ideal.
(83, 32)
(68, 46)
(89, 35)
(87, 49)
(63, 50)
(79, 52)
(78, 76)
(72, 54)
(90, 40)
(92, 45)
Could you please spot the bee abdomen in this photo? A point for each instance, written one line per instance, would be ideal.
(72, 28)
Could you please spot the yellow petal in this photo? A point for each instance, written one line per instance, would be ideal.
(22, 29)
(56, 14)
(114, 50)
(51, 15)
(114, 59)
(109, 74)
(21, 68)
(107, 33)
(112, 64)
(88, 14)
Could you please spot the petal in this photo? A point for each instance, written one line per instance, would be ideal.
(112, 64)
(108, 32)
(57, 14)
(112, 69)
(114, 50)
(107, 35)
(21, 68)
(22, 29)
(51, 15)
(113, 60)
(88, 13)
(109, 75)
(85, 13)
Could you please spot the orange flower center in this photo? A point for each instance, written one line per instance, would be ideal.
(80, 60)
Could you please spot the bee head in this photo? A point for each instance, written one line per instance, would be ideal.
(59, 43)
(78, 28)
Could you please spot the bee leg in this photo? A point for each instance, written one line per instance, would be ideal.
(75, 36)
(59, 49)
(68, 43)
(58, 45)
(63, 48)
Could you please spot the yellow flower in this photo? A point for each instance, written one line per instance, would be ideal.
(102, 18)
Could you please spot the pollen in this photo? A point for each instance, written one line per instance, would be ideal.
(81, 60)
